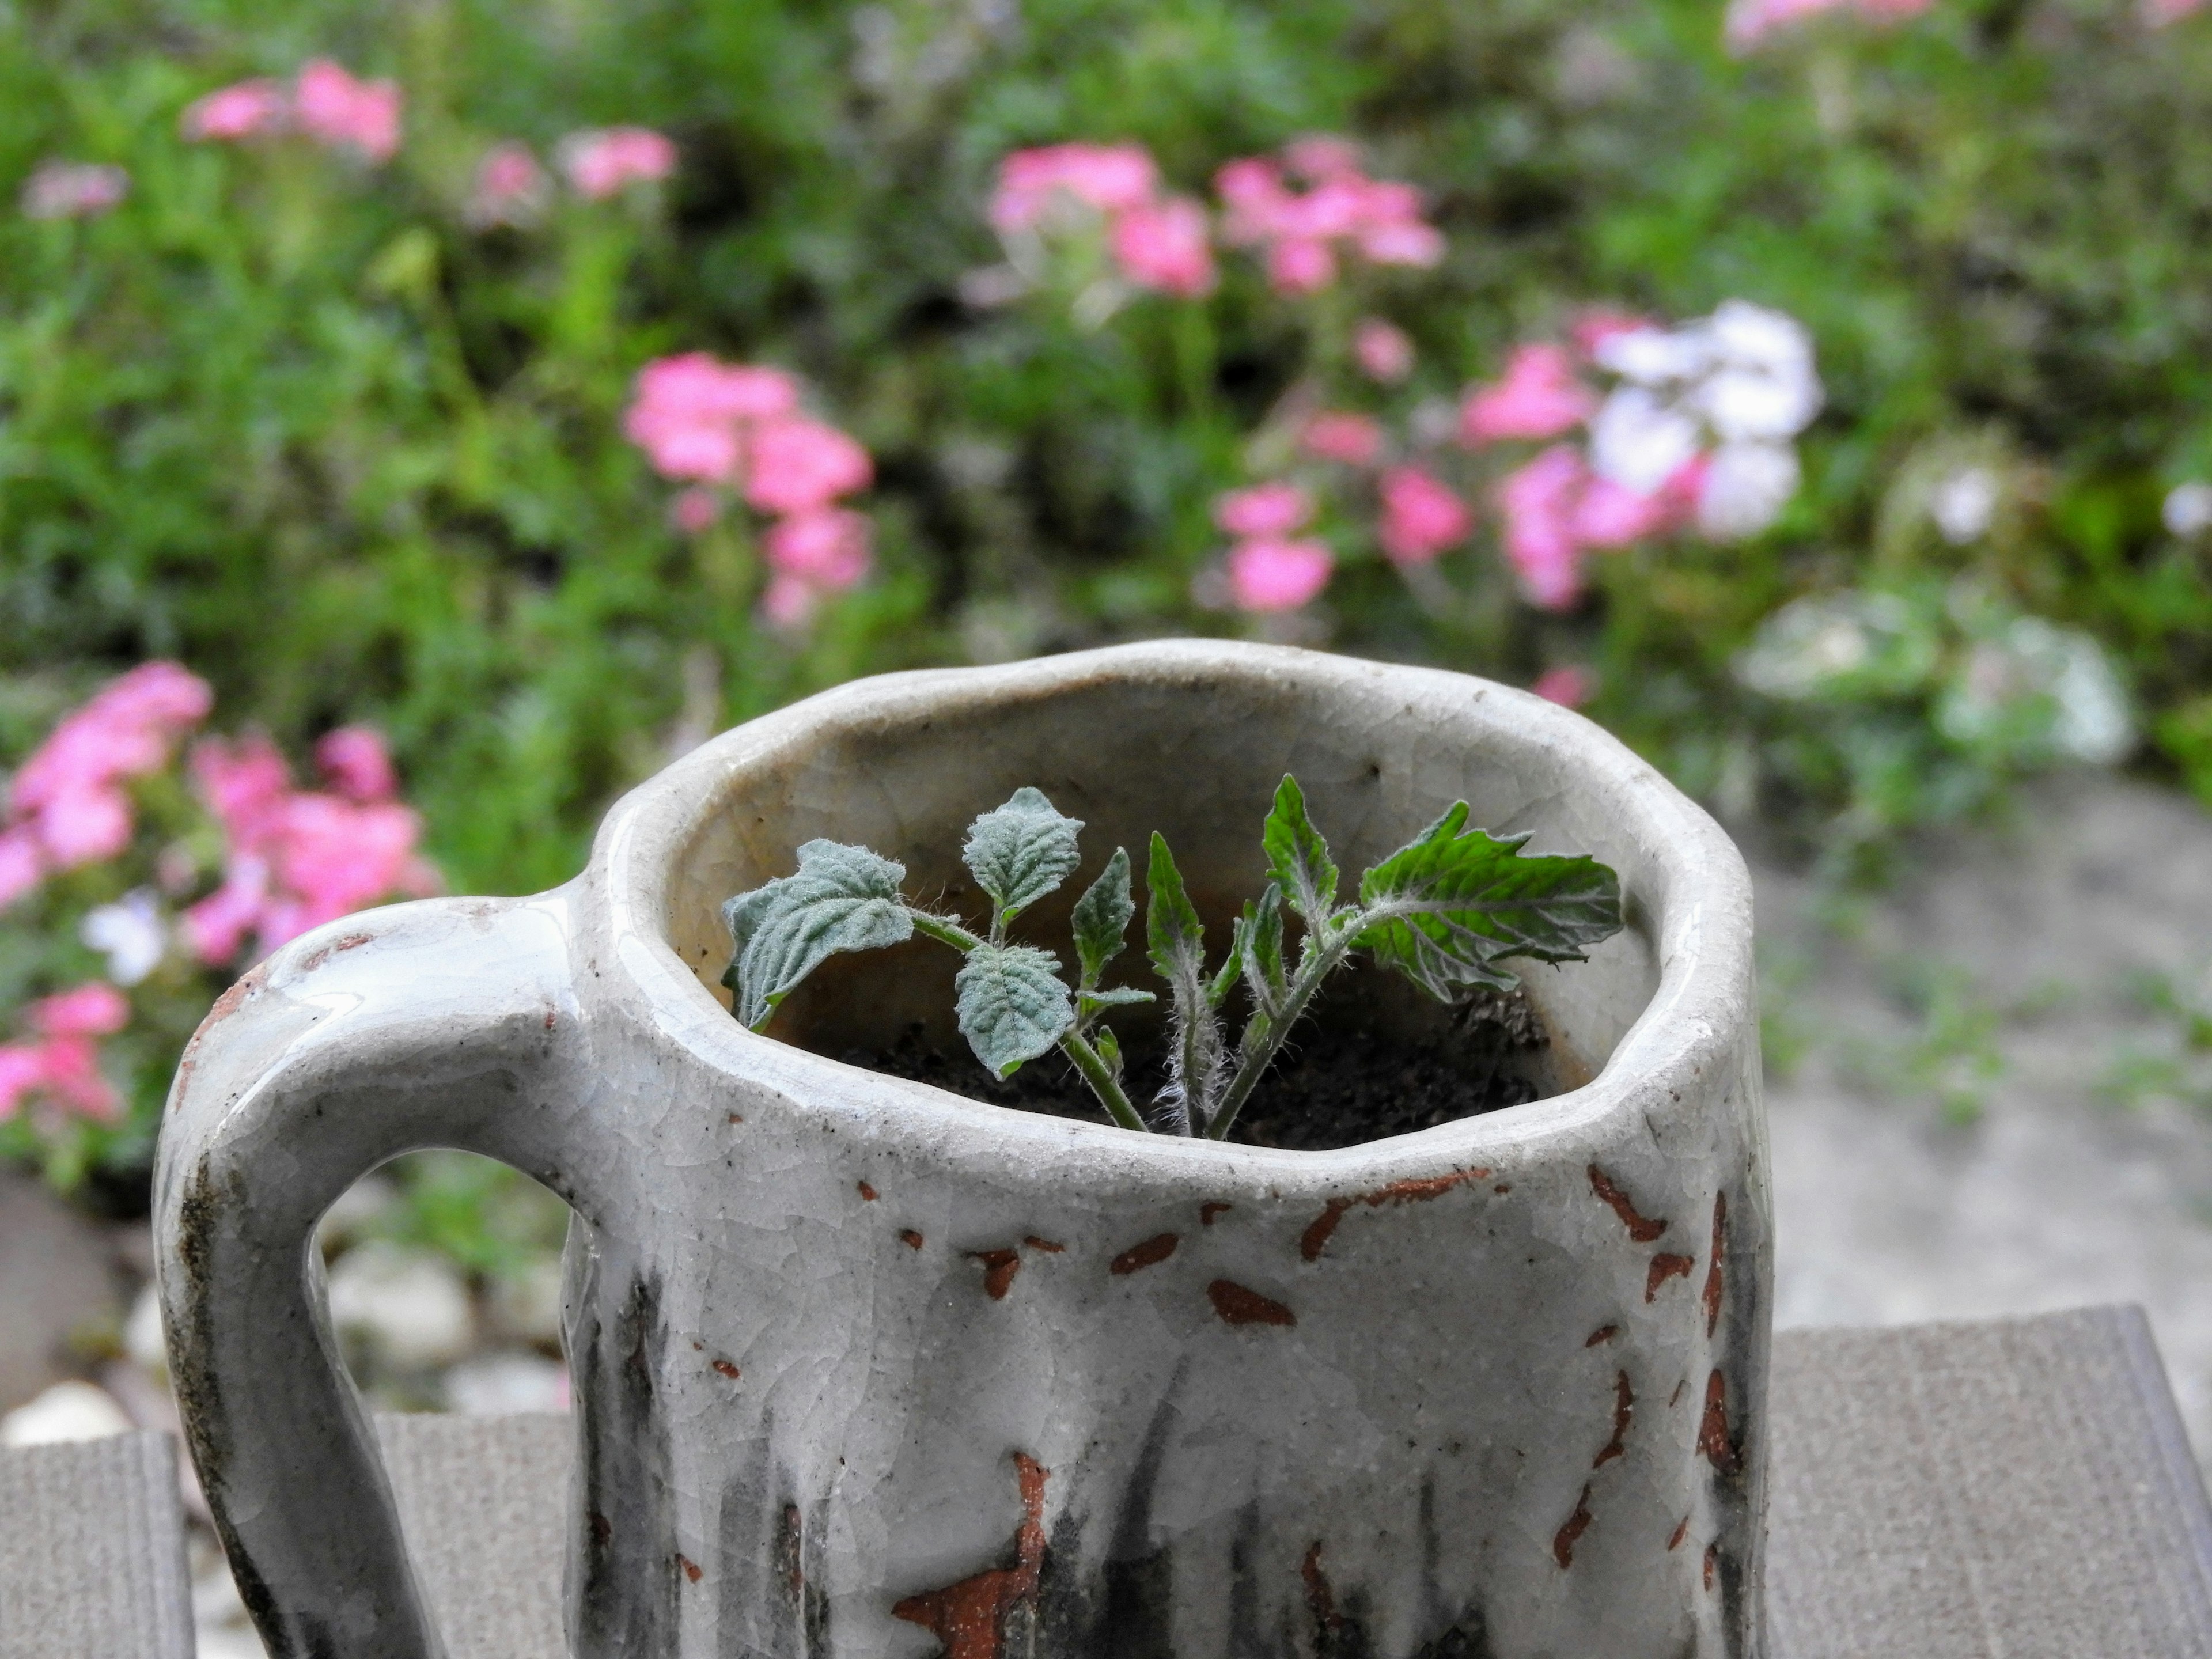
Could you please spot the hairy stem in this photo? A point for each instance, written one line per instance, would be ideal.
(1085, 1059)
(1334, 940)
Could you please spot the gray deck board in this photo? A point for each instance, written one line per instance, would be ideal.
(2012, 1489)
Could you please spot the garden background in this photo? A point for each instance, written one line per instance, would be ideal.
(336, 395)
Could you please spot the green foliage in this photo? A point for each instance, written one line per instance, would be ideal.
(843, 898)
(1447, 908)
(1020, 853)
(1012, 1004)
(1444, 909)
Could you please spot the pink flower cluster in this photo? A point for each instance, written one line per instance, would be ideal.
(2159, 13)
(67, 805)
(1556, 507)
(1304, 233)
(738, 426)
(1158, 241)
(1271, 567)
(73, 190)
(1750, 22)
(324, 102)
(62, 1064)
(602, 163)
(298, 858)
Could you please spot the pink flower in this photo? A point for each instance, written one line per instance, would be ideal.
(23, 1069)
(245, 784)
(827, 548)
(1609, 514)
(1750, 20)
(216, 927)
(689, 410)
(1538, 397)
(1253, 191)
(1538, 504)
(245, 110)
(694, 511)
(1570, 685)
(86, 826)
(788, 602)
(1268, 509)
(1594, 327)
(336, 110)
(73, 190)
(1104, 177)
(2159, 13)
(1321, 157)
(1300, 265)
(337, 857)
(1421, 518)
(66, 795)
(69, 1074)
(96, 1009)
(355, 763)
(1383, 350)
(1341, 435)
(800, 464)
(21, 866)
(600, 162)
(510, 187)
(1163, 244)
(1269, 573)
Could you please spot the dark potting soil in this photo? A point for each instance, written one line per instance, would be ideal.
(1330, 1087)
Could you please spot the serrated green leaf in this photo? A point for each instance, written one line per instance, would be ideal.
(1260, 943)
(1299, 855)
(1116, 997)
(842, 898)
(1176, 940)
(1102, 917)
(1021, 852)
(1447, 908)
(1108, 1048)
(1013, 1004)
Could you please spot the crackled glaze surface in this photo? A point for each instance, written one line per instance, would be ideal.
(867, 1371)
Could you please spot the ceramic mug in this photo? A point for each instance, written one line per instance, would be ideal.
(863, 1368)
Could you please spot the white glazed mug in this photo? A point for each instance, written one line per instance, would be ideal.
(863, 1368)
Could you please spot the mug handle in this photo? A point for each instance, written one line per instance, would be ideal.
(437, 1023)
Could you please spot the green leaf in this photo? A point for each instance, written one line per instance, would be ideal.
(1109, 1048)
(843, 898)
(1299, 855)
(1260, 942)
(1013, 1004)
(1114, 997)
(1021, 852)
(1102, 917)
(1177, 942)
(1445, 909)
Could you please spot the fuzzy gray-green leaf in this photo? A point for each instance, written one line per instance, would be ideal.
(1298, 855)
(1260, 939)
(1452, 904)
(842, 898)
(1102, 917)
(1013, 1004)
(1176, 941)
(1021, 852)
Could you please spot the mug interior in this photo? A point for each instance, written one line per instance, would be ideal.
(1197, 756)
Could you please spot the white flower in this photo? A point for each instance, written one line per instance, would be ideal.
(1813, 646)
(1746, 486)
(2032, 665)
(1762, 385)
(1638, 442)
(67, 1411)
(129, 934)
(1965, 505)
(2189, 509)
(1655, 357)
(411, 1306)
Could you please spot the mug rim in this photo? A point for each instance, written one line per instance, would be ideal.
(1687, 1031)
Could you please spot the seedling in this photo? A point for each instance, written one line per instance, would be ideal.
(1445, 910)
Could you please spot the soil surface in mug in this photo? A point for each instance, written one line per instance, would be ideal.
(1332, 1086)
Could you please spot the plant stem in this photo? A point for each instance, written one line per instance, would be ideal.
(1334, 940)
(1084, 1058)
